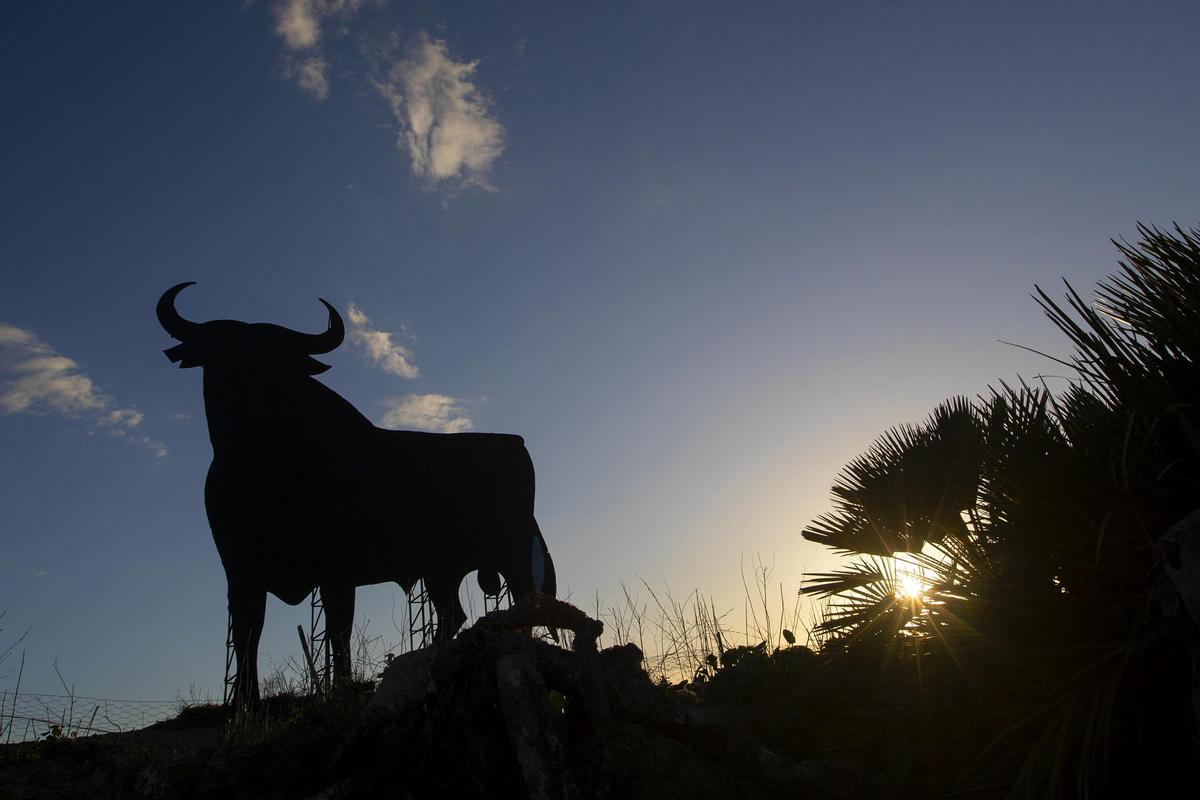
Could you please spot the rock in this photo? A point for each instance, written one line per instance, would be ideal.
(524, 701)
(405, 683)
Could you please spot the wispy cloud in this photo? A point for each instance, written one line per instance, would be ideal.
(39, 380)
(298, 24)
(37, 573)
(378, 347)
(446, 122)
(427, 412)
(311, 74)
(447, 127)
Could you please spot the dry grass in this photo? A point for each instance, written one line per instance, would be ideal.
(684, 638)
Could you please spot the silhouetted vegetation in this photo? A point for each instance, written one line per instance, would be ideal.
(1051, 650)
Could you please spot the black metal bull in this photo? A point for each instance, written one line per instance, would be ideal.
(304, 491)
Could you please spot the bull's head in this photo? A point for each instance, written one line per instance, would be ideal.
(228, 343)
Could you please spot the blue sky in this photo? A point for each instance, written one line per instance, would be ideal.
(697, 254)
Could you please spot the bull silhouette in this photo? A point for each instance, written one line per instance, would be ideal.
(305, 492)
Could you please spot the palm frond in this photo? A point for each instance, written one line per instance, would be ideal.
(910, 486)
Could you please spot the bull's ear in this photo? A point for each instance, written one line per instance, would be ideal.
(314, 367)
(183, 355)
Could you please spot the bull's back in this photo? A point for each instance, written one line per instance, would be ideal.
(457, 473)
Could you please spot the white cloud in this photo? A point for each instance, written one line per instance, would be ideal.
(38, 380)
(126, 417)
(378, 347)
(11, 336)
(311, 74)
(446, 124)
(427, 412)
(298, 24)
(158, 448)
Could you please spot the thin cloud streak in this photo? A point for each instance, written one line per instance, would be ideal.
(378, 347)
(39, 380)
(426, 412)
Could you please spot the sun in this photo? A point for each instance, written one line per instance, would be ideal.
(910, 587)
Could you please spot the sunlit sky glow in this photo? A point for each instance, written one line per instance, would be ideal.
(697, 254)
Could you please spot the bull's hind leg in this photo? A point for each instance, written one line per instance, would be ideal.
(443, 591)
(339, 625)
(528, 567)
(247, 608)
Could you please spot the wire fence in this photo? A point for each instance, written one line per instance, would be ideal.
(28, 717)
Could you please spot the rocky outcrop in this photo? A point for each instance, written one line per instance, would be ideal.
(496, 711)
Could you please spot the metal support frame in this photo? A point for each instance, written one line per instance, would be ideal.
(318, 644)
(318, 647)
(498, 601)
(230, 675)
(421, 627)
(420, 617)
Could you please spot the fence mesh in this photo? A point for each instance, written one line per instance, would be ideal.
(28, 717)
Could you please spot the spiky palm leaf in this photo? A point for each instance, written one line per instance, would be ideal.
(868, 600)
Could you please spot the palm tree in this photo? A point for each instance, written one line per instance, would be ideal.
(1035, 520)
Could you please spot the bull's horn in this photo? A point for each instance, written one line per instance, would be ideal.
(174, 324)
(317, 343)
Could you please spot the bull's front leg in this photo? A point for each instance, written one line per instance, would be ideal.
(339, 625)
(247, 608)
